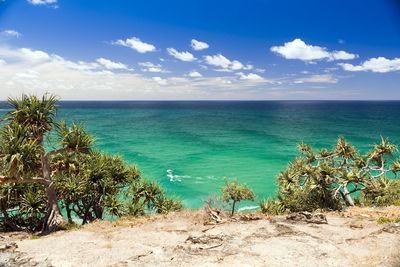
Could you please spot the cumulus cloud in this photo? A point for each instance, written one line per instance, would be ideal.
(197, 45)
(12, 33)
(42, 2)
(319, 78)
(184, 56)
(194, 74)
(297, 49)
(225, 64)
(111, 65)
(150, 67)
(379, 64)
(250, 76)
(136, 44)
(217, 60)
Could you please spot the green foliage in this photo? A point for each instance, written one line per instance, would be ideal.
(148, 196)
(270, 206)
(22, 205)
(89, 185)
(236, 192)
(38, 114)
(74, 138)
(382, 220)
(19, 154)
(329, 179)
(382, 192)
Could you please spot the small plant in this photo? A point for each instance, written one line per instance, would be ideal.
(270, 206)
(382, 220)
(236, 192)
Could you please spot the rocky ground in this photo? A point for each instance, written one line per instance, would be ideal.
(193, 238)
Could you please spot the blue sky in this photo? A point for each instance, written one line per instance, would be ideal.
(172, 50)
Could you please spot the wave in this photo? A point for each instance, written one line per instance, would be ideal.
(248, 208)
(178, 178)
(175, 177)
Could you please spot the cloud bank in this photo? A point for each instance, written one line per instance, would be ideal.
(379, 64)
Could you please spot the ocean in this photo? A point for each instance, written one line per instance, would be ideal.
(190, 146)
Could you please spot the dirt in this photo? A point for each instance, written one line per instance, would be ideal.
(189, 238)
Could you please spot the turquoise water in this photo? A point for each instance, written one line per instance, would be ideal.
(189, 147)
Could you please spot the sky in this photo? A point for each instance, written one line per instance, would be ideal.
(201, 50)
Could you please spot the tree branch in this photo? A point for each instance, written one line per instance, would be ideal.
(6, 180)
(56, 151)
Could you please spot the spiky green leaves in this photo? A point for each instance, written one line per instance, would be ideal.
(74, 137)
(37, 114)
(330, 178)
(19, 154)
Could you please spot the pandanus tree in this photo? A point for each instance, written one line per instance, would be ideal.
(27, 148)
(331, 178)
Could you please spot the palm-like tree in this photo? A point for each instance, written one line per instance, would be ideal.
(22, 149)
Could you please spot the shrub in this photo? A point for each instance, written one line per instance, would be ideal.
(329, 179)
(236, 192)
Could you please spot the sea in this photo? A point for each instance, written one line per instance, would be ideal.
(189, 147)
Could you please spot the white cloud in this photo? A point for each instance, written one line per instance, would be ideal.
(197, 45)
(250, 76)
(160, 80)
(297, 49)
(32, 55)
(225, 64)
(136, 44)
(236, 65)
(42, 2)
(319, 78)
(248, 67)
(218, 60)
(12, 33)
(111, 65)
(184, 56)
(24, 70)
(342, 55)
(194, 74)
(259, 70)
(150, 67)
(379, 64)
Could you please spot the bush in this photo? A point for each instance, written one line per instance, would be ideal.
(236, 192)
(383, 192)
(330, 179)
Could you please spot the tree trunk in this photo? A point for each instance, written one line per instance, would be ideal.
(53, 216)
(347, 197)
(233, 207)
(68, 209)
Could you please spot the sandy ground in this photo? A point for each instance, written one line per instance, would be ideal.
(186, 238)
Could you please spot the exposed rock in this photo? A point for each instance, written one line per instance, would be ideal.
(308, 217)
(393, 229)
